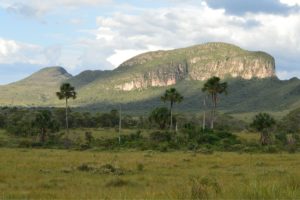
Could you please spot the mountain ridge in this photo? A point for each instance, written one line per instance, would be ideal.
(199, 62)
(140, 81)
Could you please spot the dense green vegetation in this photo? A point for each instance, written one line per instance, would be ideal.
(45, 129)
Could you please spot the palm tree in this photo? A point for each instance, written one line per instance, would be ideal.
(173, 96)
(160, 116)
(213, 87)
(66, 92)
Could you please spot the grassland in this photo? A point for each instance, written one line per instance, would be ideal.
(62, 174)
(133, 174)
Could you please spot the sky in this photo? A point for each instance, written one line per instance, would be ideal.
(101, 34)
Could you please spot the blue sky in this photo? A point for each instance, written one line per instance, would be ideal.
(101, 34)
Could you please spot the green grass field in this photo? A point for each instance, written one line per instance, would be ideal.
(62, 174)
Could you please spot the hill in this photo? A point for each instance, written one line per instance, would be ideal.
(138, 83)
(37, 89)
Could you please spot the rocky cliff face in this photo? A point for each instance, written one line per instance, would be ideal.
(164, 68)
(168, 74)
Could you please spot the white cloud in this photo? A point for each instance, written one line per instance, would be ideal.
(284, 75)
(16, 52)
(121, 35)
(291, 2)
(122, 55)
(12, 52)
(8, 47)
(128, 34)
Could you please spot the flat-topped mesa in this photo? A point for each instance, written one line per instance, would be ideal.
(225, 60)
(164, 68)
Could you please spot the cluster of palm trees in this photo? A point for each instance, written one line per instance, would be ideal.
(212, 87)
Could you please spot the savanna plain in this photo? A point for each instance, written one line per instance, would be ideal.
(134, 174)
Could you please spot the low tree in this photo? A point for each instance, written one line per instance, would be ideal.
(45, 122)
(213, 87)
(290, 123)
(66, 92)
(2, 121)
(173, 96)
(19, 122)
(263, 123)
(160, 116)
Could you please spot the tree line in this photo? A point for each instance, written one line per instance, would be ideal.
(45, 122)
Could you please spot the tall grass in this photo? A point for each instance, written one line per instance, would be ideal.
(61, 174)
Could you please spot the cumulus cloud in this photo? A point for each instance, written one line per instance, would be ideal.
(16, 52)
(291, 2)
(255, 25)
(12, 52)
(175, 27)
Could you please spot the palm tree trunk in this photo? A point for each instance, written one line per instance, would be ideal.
(264, 138)
(67, 122)
(214, 108)
(171, 123)
(120, 124)
(43, 135)
(204, 114)
(212, 112)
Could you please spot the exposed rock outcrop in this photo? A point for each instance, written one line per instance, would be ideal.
(164, 68)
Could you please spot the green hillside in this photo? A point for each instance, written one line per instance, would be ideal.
(138, 83)
(35, 90)
(243, 96)
(87, 77)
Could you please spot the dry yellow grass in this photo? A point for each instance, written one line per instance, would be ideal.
(54, 174)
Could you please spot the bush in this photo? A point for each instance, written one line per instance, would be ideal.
(163, 147)
(140, 167)
(271, 149)
(25, 143)
(192, 146)
(208, 138)
(89, 138)
(85, 168)
(160, 136)
(117, 182)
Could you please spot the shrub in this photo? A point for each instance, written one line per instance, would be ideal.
(192, 146)
(140, 167)
(208, 138)
(117, 182)
(292, 148)
(163, 147)
(271, 149)
(85, 168)
(160, 136)
(88, 138)
(25, 143)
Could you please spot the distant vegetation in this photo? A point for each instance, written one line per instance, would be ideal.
(156, 131)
